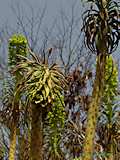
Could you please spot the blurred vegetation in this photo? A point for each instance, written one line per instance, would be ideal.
(59, 99)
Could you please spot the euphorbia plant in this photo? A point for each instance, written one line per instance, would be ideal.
(108, 125)
(54, 128)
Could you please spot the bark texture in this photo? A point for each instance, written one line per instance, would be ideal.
(24, 148)
(13, 142)
(13, 129)
(98, 89)
(36, 133)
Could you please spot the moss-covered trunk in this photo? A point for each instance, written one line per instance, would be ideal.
(36, 133)
(98, 89)
(13, 142)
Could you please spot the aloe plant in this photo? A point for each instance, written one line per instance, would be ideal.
(42, 84)
(17, 46)
(102, 32)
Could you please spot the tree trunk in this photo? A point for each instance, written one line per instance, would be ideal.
(13, 142)
(111, 156)
(13, 129)
(24, 147)
(109, 148)
(98, 89)
(36, 133)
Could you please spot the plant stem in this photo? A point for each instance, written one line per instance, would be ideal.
(98, 89)
(36, 133)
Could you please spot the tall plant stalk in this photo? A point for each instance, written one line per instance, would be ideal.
(36, 146)
(97, 93)
(13, 137)
(42, 83)
(17, 46)
(101, 27)
(111, 91)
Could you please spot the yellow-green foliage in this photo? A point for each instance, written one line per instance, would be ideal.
(42, 82)
(17, 46)
(111, 85)
(111, 78)
(56, 119)
(57, 115)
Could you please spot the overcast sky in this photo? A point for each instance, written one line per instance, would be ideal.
(53, 8)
